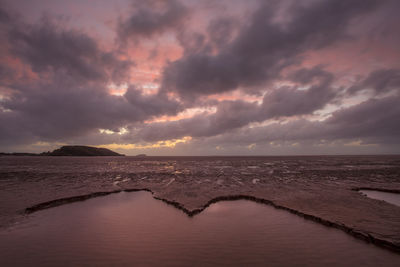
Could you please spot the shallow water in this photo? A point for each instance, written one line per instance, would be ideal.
(128, 229)
(392, 198)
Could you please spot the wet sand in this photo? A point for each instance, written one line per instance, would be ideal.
(318, 188)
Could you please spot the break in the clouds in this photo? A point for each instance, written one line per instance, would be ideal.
(201, 77)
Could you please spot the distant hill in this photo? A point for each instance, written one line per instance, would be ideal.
(81, 151)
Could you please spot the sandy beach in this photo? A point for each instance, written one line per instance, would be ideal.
(322, 189)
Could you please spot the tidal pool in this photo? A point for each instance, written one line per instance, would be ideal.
(392, 198)
(134, 229)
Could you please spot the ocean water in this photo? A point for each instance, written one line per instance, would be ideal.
(134, 229)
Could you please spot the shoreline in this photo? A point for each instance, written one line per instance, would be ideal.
(322, 189)
(368, 237)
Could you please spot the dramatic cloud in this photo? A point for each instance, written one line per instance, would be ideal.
(370, 125)
(46, 47)
(380, 81)
(375, 119)
(201, 77)
(56, 111)
(68, 94)
(265, 47)
(150, 18)
(289, 101)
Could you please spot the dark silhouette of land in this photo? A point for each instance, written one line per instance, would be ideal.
(71, 151)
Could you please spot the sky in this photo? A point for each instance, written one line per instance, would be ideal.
(211, 77)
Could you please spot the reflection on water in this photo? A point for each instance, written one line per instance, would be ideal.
(135, 229)
(385, 196)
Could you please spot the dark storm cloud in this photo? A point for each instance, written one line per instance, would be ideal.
(372, 119)
(48, 47)
(151, 105)
(263, 48)
(229, 115)
(221, 31)
(310, 75)
(291, 101)
(298, 130)
(54, 79)
(69, 98)
(151, 17)
(51, 112)
(377, 119)
(281, 102)
(380, 81)
(4, 17)
(6, 74)
(372, 122)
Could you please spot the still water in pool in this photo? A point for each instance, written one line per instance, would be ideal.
(134, 229)
(385, 196)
